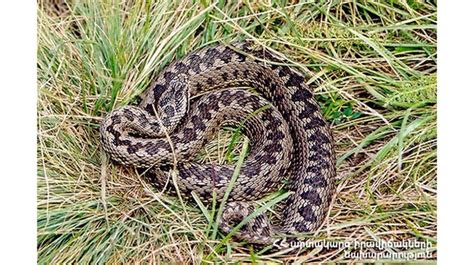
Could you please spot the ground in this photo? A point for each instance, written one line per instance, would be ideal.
(372, 67)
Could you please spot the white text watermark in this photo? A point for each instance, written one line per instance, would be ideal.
(363, 250)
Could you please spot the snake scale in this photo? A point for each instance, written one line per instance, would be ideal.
(195, 96)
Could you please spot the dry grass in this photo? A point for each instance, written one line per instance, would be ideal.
(372, 65)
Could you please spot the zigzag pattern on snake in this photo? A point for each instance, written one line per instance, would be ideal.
(195, 96)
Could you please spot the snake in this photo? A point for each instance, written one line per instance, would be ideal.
(245, 86)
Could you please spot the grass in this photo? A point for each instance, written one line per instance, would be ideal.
(372, 66)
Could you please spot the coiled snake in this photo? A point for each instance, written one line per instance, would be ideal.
(193, 97)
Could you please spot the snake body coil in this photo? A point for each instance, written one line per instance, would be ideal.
(196, 95)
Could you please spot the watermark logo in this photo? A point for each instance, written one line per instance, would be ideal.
(362, 250)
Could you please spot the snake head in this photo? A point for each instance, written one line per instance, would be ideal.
(168, 100)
